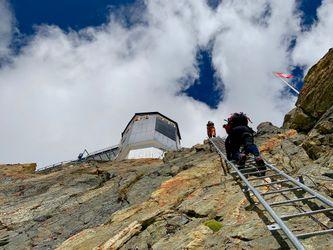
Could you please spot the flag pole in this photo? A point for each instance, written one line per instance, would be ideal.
(287, 84)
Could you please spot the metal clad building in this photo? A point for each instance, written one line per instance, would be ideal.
(148, 135)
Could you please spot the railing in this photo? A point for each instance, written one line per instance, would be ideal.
(53, 165)
(89, 155)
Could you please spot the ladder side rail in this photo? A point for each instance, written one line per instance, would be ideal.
(305, 188)
(295, 241)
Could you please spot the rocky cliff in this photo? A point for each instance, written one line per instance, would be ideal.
(313, 115)
(183, 202)
(316, 96)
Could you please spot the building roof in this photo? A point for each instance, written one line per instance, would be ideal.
(152, 113)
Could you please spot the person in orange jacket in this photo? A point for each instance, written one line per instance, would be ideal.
(211, 132)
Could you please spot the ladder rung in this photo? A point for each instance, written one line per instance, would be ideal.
(292, 201)
(244, 169)
(280, 191)
(271, 183)
(250, 164)
(234, 172)
(289, 216)
(263, 177)
(314, 233)
(257, 172)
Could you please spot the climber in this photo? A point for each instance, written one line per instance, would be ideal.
(241, 135)
(211, 132)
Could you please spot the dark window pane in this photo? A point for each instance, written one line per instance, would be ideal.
(165, 129)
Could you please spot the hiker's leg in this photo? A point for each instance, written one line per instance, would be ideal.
(228, 148)
(252, 149)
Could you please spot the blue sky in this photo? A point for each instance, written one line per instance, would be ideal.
(308, 9)
(79, 14)
(73, 14)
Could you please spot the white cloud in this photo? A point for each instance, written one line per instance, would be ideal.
(254, 44)
(6, 21)
(314, 44)
(67, 91)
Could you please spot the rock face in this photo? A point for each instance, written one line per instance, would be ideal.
(319, 143)
(313, 114)
(183, 202)
(305, 143)
(316, 96)
(285, 148)
(42, 210)
(297, 119)
(304, 146)
(133, 204)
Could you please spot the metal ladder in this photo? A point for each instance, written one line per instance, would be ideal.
(278, 177)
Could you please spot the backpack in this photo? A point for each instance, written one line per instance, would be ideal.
(210, 124)
(238, 119)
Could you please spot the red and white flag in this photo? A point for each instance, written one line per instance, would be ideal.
(283, 75)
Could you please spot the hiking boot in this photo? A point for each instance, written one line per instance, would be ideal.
(259, 161)
(261, 165)
(242, 159)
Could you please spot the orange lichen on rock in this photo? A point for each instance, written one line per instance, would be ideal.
(275, 141)
(171, 190)
(172, 185)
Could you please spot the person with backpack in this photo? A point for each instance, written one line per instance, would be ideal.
(241, 135)
(211, 132)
